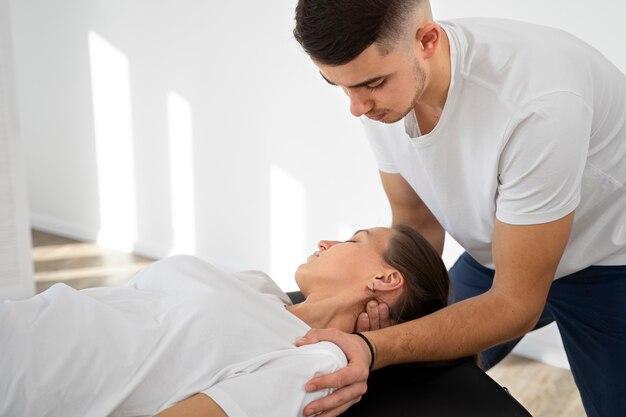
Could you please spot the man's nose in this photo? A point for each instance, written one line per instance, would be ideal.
(360, 103)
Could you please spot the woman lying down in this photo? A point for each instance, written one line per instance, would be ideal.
(185, 337)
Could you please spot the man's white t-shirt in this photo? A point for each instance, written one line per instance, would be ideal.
(179, 328)
(534, 127)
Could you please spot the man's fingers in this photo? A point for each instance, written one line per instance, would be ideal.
(337, 402)
(338, 379)
(363, 323)
(383, 314)
(376, 316)
(314, 336)
(304, 340)
(372, 313)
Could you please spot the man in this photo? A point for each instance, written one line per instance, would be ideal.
(511, 137)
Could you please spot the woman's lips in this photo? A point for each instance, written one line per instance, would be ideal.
(313, 255)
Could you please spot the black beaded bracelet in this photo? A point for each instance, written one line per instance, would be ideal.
(369, 345)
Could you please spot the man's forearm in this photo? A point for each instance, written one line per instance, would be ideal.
(459, 330)
(428, 227)
(435, 235)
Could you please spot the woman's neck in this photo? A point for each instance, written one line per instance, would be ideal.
(329, 312)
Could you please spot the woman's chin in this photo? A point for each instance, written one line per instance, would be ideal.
(298, 277)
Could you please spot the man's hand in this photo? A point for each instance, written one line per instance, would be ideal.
(375, 317)
(350, 382)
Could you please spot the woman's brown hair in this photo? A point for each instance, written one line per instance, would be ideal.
(427, 283)
(426, 278)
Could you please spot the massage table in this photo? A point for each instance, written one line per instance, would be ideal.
(414, 390)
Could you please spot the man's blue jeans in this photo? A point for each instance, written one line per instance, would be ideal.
(589, 308)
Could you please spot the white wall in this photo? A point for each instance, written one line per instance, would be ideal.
(16, 271)
(276, 163)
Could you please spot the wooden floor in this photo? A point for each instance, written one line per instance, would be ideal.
(80, 264)
(544, 390)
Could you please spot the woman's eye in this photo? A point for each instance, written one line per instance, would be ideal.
(350, 241)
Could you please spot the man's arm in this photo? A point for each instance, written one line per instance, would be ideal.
(525, 257)
(407, 208)
(200, 405)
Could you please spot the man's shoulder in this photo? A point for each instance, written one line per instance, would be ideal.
(510, 39)
(495, 54)
(496, 24)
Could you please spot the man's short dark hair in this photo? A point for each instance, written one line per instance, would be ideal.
(334, 32)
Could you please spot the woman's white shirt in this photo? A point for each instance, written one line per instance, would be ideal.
(179, 328)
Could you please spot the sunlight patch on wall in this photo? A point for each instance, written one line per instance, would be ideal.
(287, 227)
(182, 184)
(110, 79)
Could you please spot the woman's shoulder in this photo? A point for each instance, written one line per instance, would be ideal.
(180, 273)
(189, 273)
(261, 282)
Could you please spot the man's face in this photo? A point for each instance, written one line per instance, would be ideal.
(384, 88)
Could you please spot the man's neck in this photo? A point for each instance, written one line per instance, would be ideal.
(434, 98)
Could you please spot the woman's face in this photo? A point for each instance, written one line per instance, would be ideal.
(340, 265)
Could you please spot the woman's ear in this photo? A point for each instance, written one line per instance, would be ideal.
(389, 281)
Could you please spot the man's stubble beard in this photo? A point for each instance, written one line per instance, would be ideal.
(420, 78)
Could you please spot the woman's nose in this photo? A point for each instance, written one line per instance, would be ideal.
(326, 244)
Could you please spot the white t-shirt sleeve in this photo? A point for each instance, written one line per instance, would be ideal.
(274, 385)
(541, 165)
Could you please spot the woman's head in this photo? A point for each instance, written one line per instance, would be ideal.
(350, 266)
(396, 266)
(426, 281)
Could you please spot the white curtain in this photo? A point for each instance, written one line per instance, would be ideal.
(16, 272)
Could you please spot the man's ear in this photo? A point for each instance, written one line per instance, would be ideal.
(428, 37)
(389, 281)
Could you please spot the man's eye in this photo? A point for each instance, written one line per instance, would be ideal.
(376, 86)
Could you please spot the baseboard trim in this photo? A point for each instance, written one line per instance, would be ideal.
(85, 234)
(62, 228)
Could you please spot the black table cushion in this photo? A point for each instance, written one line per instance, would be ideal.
(460, 390)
